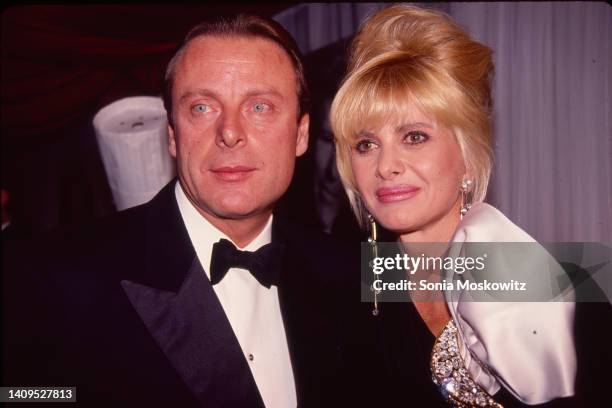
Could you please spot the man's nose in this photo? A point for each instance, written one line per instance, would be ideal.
(230, 132)
(389, 164)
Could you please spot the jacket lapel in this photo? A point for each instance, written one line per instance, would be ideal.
(177, 304)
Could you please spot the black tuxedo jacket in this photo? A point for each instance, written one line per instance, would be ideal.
(123, 311)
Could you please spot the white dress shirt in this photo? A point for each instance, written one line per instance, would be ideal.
(252, 310)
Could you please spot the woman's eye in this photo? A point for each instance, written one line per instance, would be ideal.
(201, 108)
(364, 146)
(415, 137)
(260, 107)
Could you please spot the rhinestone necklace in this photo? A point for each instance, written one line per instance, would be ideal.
(451, 376)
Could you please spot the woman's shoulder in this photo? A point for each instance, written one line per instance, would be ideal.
(507, 343)
(485, 223)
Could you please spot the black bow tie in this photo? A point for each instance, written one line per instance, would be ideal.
(264, 264)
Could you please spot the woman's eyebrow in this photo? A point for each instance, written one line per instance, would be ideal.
(409, 126)
(363, 133)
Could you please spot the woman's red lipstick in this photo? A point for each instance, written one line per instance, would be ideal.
(395, 194)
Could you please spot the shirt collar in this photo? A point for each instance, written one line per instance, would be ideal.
(203, 234)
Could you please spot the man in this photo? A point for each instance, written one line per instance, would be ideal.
(140, 309)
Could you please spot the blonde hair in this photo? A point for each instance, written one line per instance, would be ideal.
(404, 56)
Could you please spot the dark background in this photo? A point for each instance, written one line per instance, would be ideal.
(61, 64)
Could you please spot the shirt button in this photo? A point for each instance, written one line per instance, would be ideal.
(251, 357)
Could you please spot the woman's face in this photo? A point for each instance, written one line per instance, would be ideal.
(408, 172)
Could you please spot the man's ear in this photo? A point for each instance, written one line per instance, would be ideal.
(171, 141)
(302, 136)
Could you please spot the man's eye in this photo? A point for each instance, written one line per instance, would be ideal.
(415, 137)
(201, 108)
(260, 107)
(364, 146)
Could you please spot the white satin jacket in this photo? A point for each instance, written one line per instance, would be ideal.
(527, 347)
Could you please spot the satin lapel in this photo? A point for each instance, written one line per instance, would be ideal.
(192, 330)
(175, 300)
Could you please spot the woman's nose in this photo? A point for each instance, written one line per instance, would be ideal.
(389, 164)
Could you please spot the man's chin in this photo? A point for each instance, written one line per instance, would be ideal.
(237, 212)
(238, 215)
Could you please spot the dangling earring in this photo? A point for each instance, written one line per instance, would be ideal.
(467, 196)
(372, 241)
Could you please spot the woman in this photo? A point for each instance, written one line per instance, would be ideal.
(414, 150)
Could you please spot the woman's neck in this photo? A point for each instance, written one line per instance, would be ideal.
(434, 313)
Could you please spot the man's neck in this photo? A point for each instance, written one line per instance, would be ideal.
(241, 231)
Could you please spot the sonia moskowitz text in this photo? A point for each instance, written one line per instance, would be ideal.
(424, 285)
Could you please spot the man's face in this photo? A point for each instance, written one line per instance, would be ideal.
(236, 132)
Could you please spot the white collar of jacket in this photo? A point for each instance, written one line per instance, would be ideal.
(526, 346)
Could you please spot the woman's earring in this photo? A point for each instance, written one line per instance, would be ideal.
(372, 241)
(467, 196)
